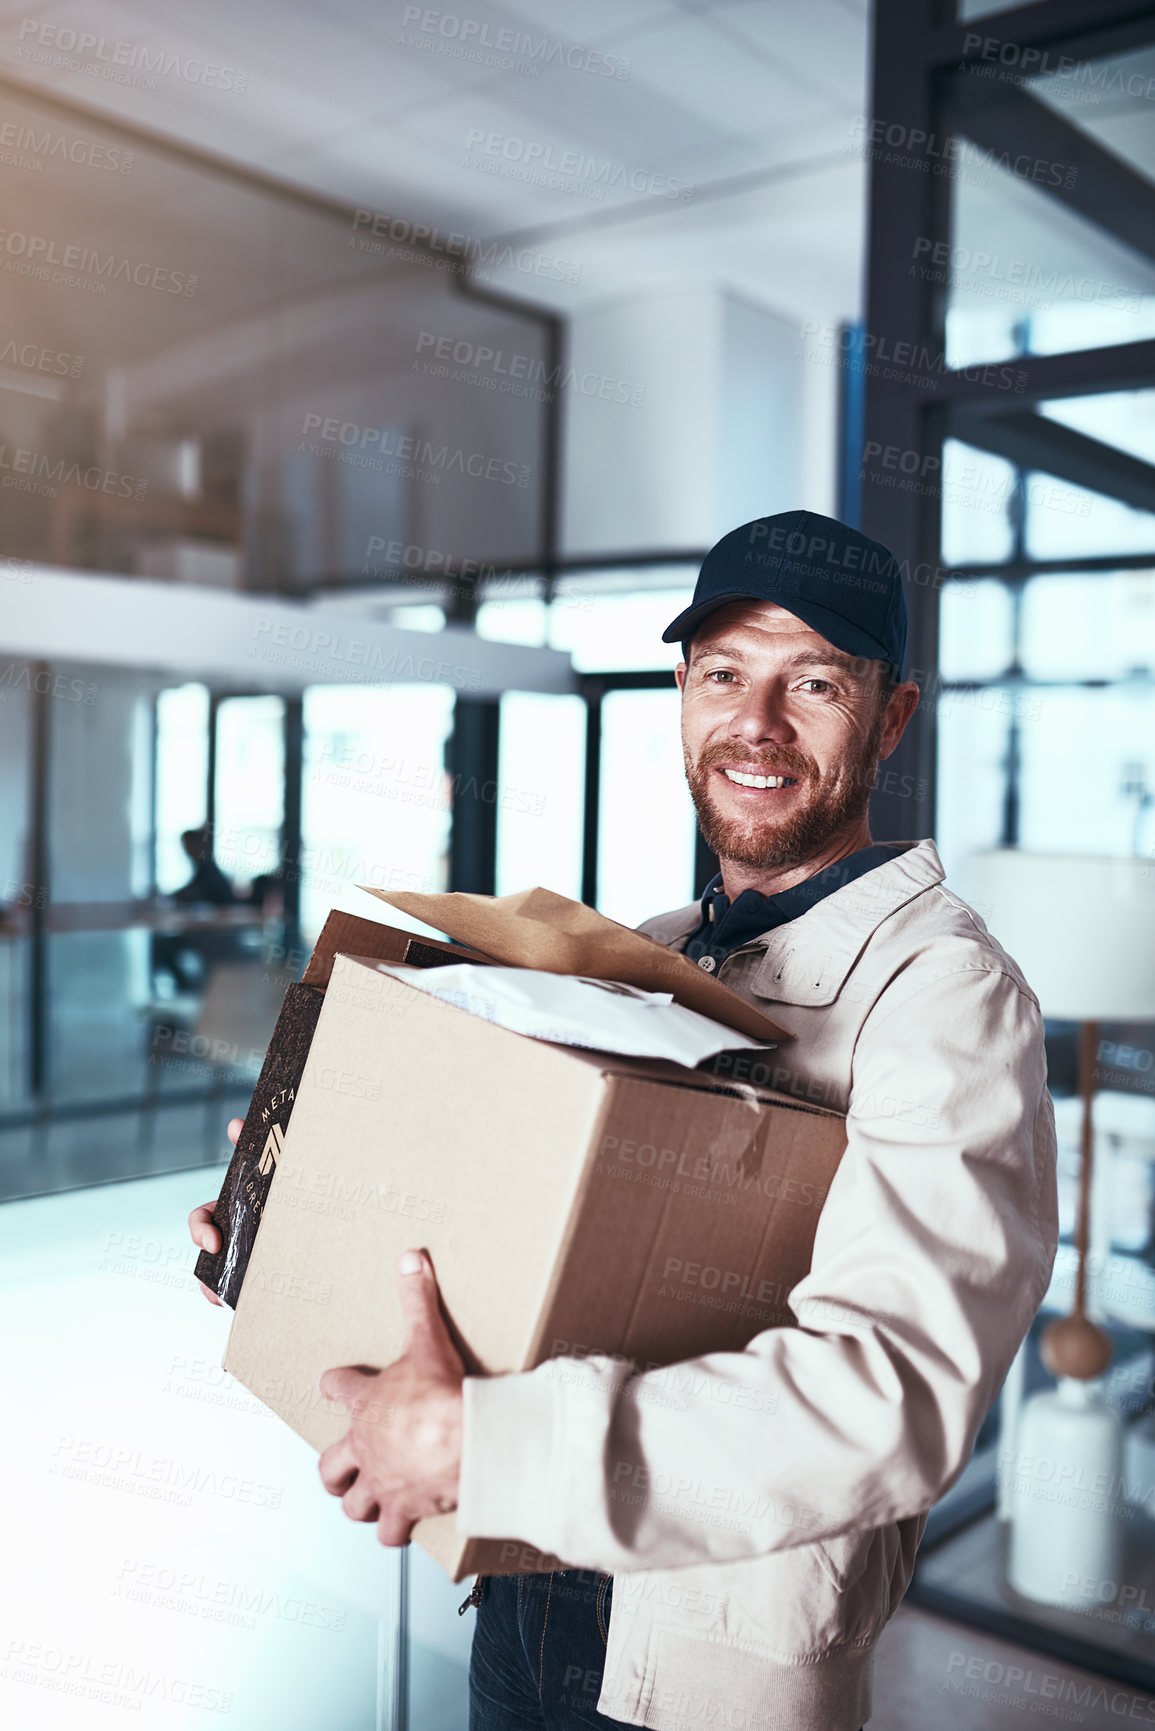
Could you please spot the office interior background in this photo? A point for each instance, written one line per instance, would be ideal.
(372, 381)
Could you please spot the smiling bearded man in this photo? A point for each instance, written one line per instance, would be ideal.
(733, 1554)
(762, 826)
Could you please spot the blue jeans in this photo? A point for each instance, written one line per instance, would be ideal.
(538, 1652)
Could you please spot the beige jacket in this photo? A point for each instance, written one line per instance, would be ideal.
(761, 1530)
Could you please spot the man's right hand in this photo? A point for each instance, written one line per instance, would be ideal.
(203, 1229)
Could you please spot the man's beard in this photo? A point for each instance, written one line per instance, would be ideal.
(830, 804)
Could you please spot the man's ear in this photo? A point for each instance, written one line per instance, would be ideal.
(902, 705)
(680, 673)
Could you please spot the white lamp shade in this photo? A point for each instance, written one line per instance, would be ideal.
(1080, 926)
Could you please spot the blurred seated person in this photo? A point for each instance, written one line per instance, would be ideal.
(208, 883)
(186, 956)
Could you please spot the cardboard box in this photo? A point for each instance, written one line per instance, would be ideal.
(572, 1202)
(241, 1202)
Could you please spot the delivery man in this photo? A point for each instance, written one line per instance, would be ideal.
(733, 1555)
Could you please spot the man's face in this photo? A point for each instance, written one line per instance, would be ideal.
(781, 733)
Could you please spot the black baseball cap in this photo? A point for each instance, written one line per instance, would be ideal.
(835, 579)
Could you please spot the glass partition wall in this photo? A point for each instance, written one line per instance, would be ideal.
(209, 380)
(1007, 452)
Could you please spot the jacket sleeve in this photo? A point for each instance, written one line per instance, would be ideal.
(932, 1255)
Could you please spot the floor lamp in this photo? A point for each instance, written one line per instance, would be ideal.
(1082, 929)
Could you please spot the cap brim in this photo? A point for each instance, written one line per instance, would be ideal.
(841, 632)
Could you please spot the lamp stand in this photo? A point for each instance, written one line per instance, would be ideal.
(1062, 1551)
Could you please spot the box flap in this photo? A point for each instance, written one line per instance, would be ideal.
(539, 929)
(348, 934)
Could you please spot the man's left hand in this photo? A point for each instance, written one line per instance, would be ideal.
(401, 1458)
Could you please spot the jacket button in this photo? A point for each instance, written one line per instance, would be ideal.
(708, 963)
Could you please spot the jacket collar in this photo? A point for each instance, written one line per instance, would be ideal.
(807, 960)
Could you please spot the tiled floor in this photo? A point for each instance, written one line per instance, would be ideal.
(168, 1559)
(931, 1673)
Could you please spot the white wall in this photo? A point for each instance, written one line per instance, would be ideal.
(732, 423)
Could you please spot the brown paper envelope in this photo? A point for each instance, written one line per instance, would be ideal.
(540, 929)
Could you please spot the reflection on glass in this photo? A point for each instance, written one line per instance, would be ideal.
(15, 952)
(375, 797)
(1098, 626)
(182, 763)
(1024, 273)
(608, 632)
(513, 619)
(1079, 758)
(647, 826)
(1109, 99)
(1064, 522)
(541, 793)
(98, 1038)
(250, 781)
(237, 387)
(983, 8)
(975, 629)
(971, 747)
(977, 492)
(1123, 419)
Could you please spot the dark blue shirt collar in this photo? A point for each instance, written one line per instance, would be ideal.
(727, 925)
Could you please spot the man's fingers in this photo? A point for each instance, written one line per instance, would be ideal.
(425, 1330)
(209, 1293)
(235, 1126)
(352, 1385)
(395, 1526)
(338, 1466)
(203, 1229)
(360, 1503)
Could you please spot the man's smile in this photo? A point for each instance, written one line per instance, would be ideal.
(744, 778)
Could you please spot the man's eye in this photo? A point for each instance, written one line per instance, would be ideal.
(718, 674)
(821, 684)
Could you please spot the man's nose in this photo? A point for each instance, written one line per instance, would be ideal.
(762, 719)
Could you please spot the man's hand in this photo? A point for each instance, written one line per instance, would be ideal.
(401, 1458)
(203, 1229)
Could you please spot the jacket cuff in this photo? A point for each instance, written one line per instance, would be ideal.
(506, 1457)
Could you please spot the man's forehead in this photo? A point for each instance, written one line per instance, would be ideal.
(758, 618)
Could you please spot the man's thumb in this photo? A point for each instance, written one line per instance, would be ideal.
(420, 1307)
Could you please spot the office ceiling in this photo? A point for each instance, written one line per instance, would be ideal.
(629, 144)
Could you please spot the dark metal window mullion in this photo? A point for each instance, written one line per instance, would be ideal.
(593, 691)
(39, 857)
(294, 725)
